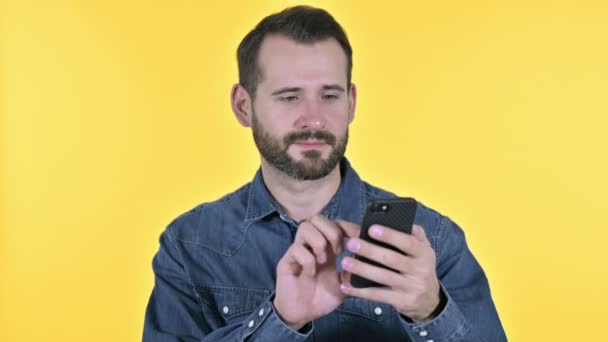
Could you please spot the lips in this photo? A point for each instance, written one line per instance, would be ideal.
(310, 143)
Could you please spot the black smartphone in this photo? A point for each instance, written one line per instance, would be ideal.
(396, 213)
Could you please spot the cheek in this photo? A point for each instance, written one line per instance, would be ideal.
(271, 119)
(338, 112)
(338, 122)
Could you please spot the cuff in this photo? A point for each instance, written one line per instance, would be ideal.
(264, 324)
(449, 325)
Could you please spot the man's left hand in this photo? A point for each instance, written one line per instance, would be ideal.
(414, 288)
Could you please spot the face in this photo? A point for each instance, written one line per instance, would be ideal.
(311, 165)
(302, 109)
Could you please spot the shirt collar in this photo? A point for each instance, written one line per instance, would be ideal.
(347, 203)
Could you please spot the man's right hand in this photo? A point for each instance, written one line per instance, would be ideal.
(308, 285)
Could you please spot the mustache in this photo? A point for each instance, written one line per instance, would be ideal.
(324, 136)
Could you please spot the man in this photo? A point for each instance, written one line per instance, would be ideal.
(268, 262)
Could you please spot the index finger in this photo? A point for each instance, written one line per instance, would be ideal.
(349, 228)
(330, 231)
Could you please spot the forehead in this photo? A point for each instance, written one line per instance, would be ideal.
(283, 61)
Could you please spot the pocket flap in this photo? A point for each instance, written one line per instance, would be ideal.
(232, 301)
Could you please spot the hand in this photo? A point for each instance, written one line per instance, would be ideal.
(308, 285)
(414, 289)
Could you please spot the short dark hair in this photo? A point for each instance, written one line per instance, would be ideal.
(304, 24)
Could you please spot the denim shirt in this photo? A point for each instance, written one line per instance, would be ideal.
(215, 273)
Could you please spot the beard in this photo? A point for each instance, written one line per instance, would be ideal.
(312, 166)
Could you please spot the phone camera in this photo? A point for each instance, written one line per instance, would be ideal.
(380, 207)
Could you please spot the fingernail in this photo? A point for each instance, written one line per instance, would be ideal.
(375, 231)
(321, 259)
(347, 264)
(354, 245)
(344, 288)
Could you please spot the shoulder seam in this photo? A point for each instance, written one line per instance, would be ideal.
(441, 229)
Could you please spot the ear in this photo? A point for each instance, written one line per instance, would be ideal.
(241, 105)
(352, 102)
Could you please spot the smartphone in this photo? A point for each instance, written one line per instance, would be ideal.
(396, 213)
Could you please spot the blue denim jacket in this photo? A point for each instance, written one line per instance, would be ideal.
(215, 273)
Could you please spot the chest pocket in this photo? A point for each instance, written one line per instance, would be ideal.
(375, 311)
(230, 305)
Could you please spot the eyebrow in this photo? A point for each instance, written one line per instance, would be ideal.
(296, 89)
(286, 90)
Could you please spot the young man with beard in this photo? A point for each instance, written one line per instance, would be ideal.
(268, 262)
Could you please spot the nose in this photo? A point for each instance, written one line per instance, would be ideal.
(312, 117)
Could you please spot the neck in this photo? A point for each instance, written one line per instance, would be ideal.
(300, 200)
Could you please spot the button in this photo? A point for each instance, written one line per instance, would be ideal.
(423, 333)
(430, 341)
(250, 324)
(261, 312)
(225, 309)
(378, 311)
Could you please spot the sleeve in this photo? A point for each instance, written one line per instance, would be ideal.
(174, 313)
(469, 313)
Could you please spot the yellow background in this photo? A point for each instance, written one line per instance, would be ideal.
(115, 118)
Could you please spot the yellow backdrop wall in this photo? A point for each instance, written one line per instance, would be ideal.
(115, 118)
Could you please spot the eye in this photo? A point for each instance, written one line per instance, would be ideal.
(289, 98)
(330, 97)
